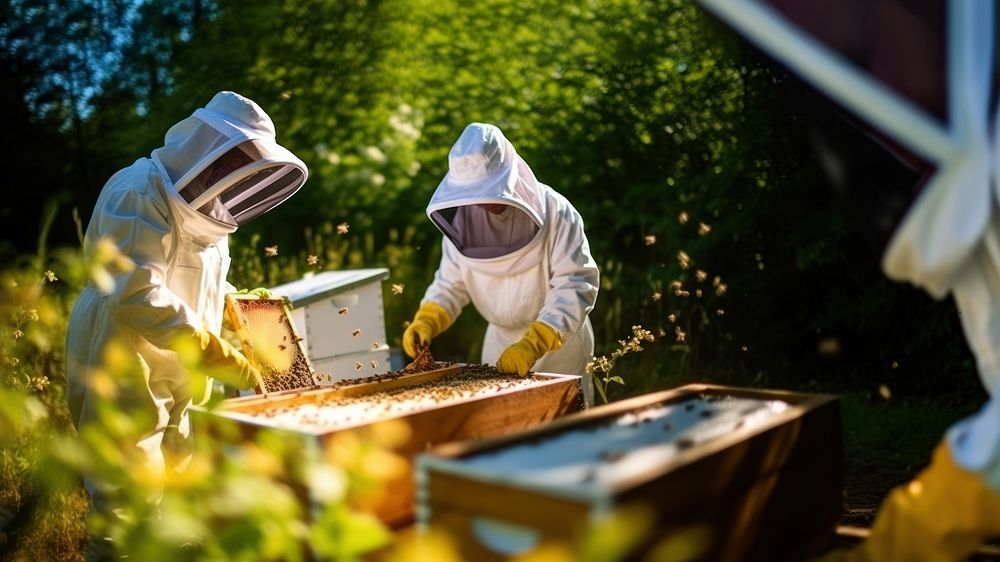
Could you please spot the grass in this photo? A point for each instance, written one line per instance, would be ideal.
(904, 429)
(886, 443)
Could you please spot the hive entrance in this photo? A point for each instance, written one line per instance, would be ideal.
(270, 342)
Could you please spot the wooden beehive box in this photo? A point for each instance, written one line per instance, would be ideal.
(340, 317)
(441, 405)
(759, 470)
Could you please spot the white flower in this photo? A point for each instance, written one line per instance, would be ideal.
(375, 154)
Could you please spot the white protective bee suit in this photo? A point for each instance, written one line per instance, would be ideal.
(172, 213)
(920, 79)
(525, 259)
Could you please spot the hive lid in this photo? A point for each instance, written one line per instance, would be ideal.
(319, 286)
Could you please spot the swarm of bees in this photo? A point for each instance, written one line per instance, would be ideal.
(424, 361)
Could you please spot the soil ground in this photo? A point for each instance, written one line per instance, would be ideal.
(866, 483)
(886, 445)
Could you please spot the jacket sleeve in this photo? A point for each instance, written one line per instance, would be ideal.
(574, 277)
(139, 225)
(448, 287)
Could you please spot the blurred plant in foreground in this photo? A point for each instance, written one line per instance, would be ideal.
(629, 532)
(40, 511)
(231, 496)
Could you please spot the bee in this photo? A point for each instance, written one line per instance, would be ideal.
(358, 366)
(342, 311)
(356, 332)
(374, 364)
(281, 347)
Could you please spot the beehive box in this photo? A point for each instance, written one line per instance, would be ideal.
(446, 404)
(758, 472)
(341, 319)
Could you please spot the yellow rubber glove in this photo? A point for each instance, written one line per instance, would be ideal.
(235, 368)
(259, 292)
(537, 341)
(944, 514)
(430, 320)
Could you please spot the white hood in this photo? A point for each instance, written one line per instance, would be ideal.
(229, 121)
(485, 169)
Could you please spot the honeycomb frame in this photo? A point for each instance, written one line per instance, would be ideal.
(301, 374)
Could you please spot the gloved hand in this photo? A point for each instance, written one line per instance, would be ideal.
(430, 320)
(944, 514)
(236, 369)
(259, 292)
(537, 341)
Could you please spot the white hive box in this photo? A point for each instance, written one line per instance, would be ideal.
(339, 315)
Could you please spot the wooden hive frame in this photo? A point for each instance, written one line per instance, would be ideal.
(246, 314)
(500, 412)
(767, 492)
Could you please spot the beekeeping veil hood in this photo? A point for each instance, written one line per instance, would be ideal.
(225, 162)
(489, 204)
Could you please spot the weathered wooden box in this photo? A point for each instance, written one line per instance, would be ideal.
(756, 472)
(440, 406)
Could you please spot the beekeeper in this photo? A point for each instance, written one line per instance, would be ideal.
(517, 250)
(171, 214)
(923, 166)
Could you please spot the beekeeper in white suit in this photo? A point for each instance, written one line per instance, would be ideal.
(516, 249)
(924, 94)
(172, 214)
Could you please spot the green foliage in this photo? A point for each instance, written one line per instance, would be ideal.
(267, 497)
(40, 511)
